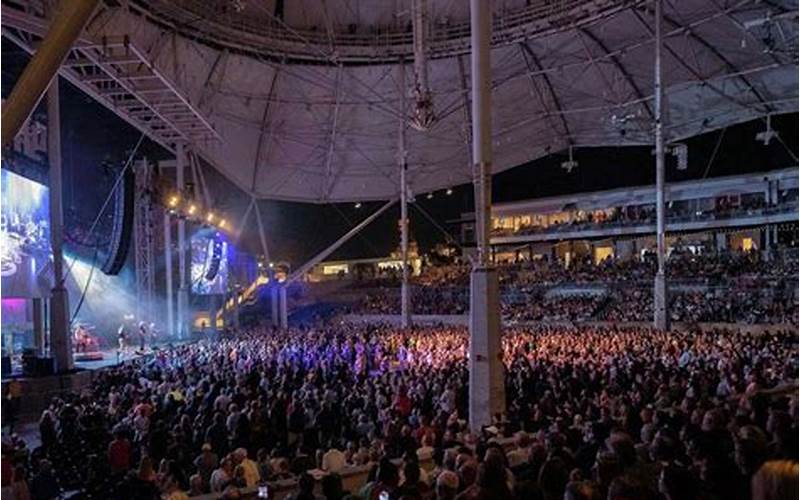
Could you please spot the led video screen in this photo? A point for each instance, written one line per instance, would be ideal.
(25, 253)
(209, 263)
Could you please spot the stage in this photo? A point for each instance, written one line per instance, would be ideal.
(37, 392)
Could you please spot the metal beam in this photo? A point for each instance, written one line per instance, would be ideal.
(680, 60)
(617, 64)
(537, 66)
(240, 228)
(402, 156)
(486, 377)
(174, 90)
(724, 60)
(168, 275)
(183, 286)
(71, 17)
(60, 338)
(332, 141)
(261, 234)
(659, 286)
(264, 117)
(336, 244)
(210, 90)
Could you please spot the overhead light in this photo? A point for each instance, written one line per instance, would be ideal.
(210, 217)
(192, 209)
(358, 205)
(570, 164)
(222, 223)
(681, 153)
(766, 136)
(173, 201)
(449, 191)
(430, 196)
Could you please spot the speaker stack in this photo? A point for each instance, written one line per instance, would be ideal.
(122, 228)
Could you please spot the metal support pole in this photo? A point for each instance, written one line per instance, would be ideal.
(65, 27)
(405, 298)
(274, 298)
(284, 308)
(660, 286)
(60, 338)
(486, 377)
(212, 315)
(183, 289)
(236, 320)
(168, 271)
(302, 270)
(262, 236)
(38, 325)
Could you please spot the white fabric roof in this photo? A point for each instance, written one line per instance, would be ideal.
(306, 110)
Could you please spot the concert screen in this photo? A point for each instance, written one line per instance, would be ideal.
(209, 263)
(25, 253)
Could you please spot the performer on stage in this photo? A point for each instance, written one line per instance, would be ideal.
(142, 335)
(153, 334)
(122, 339)
(81, 338)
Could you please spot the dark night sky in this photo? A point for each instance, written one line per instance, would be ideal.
(93, 135)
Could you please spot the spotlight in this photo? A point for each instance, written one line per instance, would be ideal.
(210, 217)
(192, 209)
(449, 191)
(222, 223)
(358, 205)
(430, 196)
(173, 201)
(271, 265)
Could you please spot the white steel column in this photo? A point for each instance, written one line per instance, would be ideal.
(486, 378)
(168, 271)
(660, 318)
(273, 300)
(183, 289)
(284, 308)
(405, 298)
(38, 325)
(60, 338)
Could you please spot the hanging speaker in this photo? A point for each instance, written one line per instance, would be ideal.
(122, 226)
(216, 257)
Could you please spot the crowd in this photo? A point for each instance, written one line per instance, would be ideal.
(678, 211)
(424, 300)
(711, 306)
(731, 287)
(741, 268)
(538, 307)
(617, 413)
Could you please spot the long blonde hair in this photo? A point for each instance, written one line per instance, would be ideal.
(775, 480)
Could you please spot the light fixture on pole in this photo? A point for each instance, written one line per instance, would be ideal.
(767, 135)
(570, 164)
